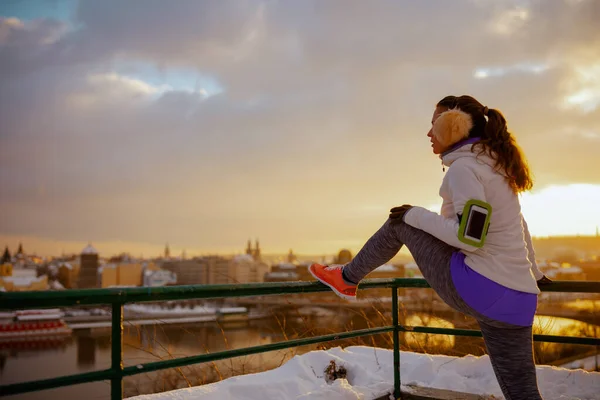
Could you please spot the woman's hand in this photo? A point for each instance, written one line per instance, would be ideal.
(397, 213)
(544, 281)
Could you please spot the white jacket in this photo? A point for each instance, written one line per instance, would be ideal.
(507, 256)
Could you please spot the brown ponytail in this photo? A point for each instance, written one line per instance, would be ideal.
(509, 156)
(496, 140)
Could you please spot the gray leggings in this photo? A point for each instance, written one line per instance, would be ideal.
(510, 347)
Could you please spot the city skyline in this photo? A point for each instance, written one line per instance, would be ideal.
(301, 124)
(547, 247)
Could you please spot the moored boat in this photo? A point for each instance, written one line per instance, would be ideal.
(32, 323)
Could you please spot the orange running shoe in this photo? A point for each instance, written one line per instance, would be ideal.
(332, 277)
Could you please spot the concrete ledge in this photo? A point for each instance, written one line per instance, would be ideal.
(421, 393)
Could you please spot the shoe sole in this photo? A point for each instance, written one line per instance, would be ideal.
(340, 294)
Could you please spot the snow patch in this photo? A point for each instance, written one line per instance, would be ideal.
(370, 375)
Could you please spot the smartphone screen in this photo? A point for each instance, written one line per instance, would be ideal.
(475, 224)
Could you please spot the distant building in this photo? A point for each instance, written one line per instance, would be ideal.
(343, 257)
(20, 254)
(211, 270)
(22, 279)
(6, 269)
(385, 271)
(88, 272)
(255, 252)
(247, 270)
(239, 269)
(291, 257)
(257, 255)
(283, 272)
(222, 271)
(281, 277)
(579, 247)
(68, 274)
(303, 274)
(20, 259)
(126, 272)
(284, 267)
(190, 272)
(411, 270)
(160, 277)
(566, 273)
(6, 258)
(122, 274)
(591, 268)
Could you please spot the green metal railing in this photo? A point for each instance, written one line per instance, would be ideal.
(119, 297)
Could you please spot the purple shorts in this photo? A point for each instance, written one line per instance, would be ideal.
(490, 298)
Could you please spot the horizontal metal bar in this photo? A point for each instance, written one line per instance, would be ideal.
(394, 282)
(66, 298)
(475, 333)
(34, 386)
(202, 358)
(572, 287)
(440, 331)
(567, 339)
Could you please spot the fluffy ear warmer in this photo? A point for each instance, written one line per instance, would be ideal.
(452, 126)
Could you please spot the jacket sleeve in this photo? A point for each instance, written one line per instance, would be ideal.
(463, 185)
(531, 252)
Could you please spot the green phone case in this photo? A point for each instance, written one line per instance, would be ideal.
(463, 222)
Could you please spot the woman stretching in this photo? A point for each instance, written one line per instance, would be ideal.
(477, 255)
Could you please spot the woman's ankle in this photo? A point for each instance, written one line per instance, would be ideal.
(346, 279)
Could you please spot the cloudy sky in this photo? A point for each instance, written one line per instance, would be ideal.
(130, 124)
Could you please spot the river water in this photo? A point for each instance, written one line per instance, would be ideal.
(89, 350)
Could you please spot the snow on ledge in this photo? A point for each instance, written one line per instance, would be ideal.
(370, 375)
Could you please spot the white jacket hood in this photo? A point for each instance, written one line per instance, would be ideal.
(466, 150)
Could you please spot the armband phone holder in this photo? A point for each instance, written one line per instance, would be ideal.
(474, 223)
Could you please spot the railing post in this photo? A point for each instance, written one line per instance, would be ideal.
(397, 394)
(116, 383)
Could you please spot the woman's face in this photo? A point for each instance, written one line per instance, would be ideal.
(437, 147)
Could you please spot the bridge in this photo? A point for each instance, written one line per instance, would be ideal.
(413, 305)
